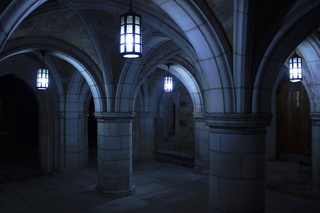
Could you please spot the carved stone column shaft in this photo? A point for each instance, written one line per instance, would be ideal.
(114, 154)
(237, 162)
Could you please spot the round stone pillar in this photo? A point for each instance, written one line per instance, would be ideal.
(114, 154)
(315, 155)
(237, 162)
(201, 144)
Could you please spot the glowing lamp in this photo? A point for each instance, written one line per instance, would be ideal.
(295, 67)
(130, 34)
(43, 75)
(168, 81)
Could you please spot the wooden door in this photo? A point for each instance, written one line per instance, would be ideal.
(293, 122)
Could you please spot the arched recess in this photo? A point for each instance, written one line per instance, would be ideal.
(65, 51)
(48, 103)
(299, 25)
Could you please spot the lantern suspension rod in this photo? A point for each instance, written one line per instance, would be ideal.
(168, 65)
(43, 52)
(130, 4)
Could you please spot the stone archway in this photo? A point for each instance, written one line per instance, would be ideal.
(19, 127)
(45, 102)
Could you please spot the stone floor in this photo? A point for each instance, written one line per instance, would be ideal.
(159, 188)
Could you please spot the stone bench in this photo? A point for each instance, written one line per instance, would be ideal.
(174, 157)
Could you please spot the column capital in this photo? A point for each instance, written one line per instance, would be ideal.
(114, 117)
(148, 114)
(60, 114)
(199, 116)
(315, 119)
(243, 123)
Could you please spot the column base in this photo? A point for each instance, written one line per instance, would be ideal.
(71, 168)
(114, 193)
(199, 171)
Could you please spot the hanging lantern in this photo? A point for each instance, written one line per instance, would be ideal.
(295, 67)
(42, 75)
(130, 34)
(168, 81)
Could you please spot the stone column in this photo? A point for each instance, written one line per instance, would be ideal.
(114, 154)
(201, 144)
(147, 135)
(73, 149)
(315, 155)
(237, 162)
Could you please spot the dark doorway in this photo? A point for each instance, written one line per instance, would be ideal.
(18, 126)
(293, 122)
(92, 135)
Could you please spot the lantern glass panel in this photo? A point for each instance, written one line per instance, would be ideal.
(137, 20)
(129, 39)
(137, 39)
(137, 48)
(137, 29)
(122, 48)
(129, 28)
(122, 39)
(129, 47)
(129, 19)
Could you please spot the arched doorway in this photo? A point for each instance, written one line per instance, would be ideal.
(18, 126)
(293, 122)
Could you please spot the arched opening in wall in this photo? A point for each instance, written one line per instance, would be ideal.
(293, 142)
(92, 135)
(174, 131)
(19, 126)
